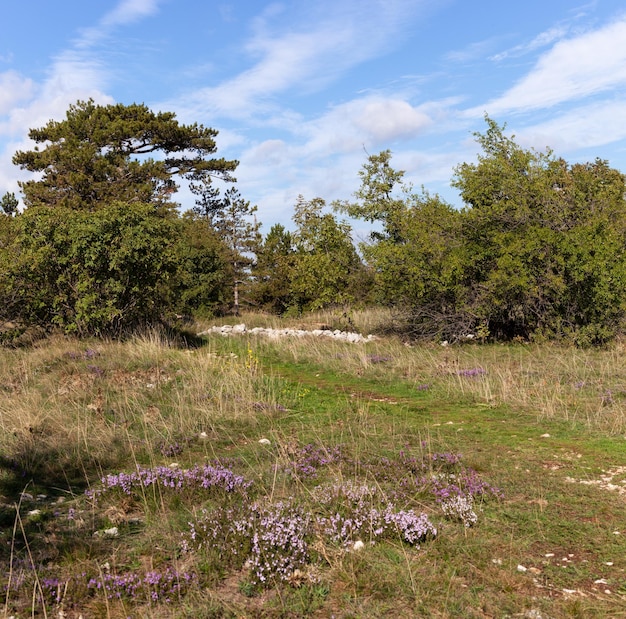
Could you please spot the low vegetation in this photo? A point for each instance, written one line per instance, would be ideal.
(251, 477)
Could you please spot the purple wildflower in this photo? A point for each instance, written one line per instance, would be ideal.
(205, 477)
(471, 373)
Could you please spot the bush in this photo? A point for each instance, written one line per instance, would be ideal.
(91, 273)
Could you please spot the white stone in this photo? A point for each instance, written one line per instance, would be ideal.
(358, 545)
(227, 330)
(265, 441)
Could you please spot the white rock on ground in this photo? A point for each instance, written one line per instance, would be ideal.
(346, 336)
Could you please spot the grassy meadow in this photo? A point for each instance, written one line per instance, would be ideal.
(229, 477)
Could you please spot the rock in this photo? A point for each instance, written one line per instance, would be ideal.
(240, 329)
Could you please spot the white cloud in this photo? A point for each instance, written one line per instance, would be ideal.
(13, 89)
(370, 121)
(387, 120)
(593, 125)
(472, 51)
(575, 68)
(317, 47)
(128, 11)
(541, 40)
(75, 74)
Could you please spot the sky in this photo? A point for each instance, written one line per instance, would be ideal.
(301, 92)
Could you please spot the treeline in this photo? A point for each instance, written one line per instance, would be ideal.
(101, 248)
(537, 251)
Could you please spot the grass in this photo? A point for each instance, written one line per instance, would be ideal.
(134, 482)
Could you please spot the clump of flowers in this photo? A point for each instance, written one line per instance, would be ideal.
(89, 353)
(472, 372)
(465, 483)
(204, 477)
(413, 528)
(379, 358)
(154, 586)
(279, 545)
(309, 458)
(361, 512)
(96, 369)
(220, 529)
(173, 448)
(460, 508)
(446, 458)
(271, 540)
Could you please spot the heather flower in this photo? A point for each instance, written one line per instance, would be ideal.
(279, 545)
(204, 477)
(309, 458)
(466, 483)
(270, 540)
(361, 512)
(155, 586)
(379, 358)
(170, 450)
(472, 373)
(448, 458)
(460, 508)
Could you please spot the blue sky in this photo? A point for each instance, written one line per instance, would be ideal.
(301, 90)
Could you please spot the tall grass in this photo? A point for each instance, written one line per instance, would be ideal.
(583, 386)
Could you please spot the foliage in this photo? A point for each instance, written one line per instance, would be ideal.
(313, 267)
(9, 203)
(111, 254)
(204, 280)
(326, 266)
(96, 272)
(116, 153)
(537, 251)
(272, 271)
(416, 255)
(229, 216)
(544, 242)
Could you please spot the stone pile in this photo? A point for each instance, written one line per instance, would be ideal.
(345, 336)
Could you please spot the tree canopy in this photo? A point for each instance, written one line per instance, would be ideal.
(116, 153)
(538, 249)
(99, 248)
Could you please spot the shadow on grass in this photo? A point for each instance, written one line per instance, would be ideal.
(41, 483)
